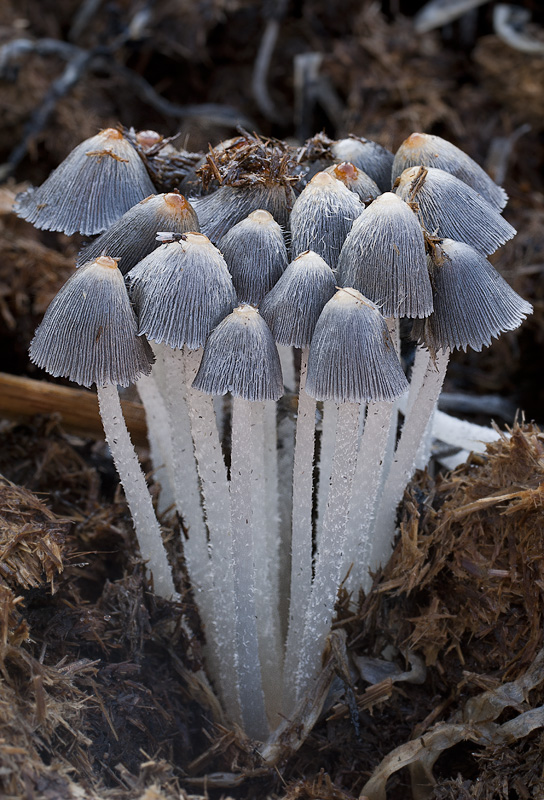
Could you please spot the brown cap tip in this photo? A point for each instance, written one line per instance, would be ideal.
(111, 133)
(346, 171)
(106, 261)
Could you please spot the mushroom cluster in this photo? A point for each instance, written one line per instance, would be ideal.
(292, 276)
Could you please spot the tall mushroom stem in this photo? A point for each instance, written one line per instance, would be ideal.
(301, 543)
(243, 558)
(404, 462)
(185, 478)
(326, 454)
(329, 560)
(160, 440)
(147, 528)
(216, 498)
(368, 482)
(265, 542)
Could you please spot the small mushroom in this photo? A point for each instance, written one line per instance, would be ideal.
(472, 302)
(256, 255)
(134, 235)
(322, 217)
(95, 184)
(368, 156)
(181, 290)
(355, 180)
(384, 258)
(448, 207)
(89, 335)
(423, 149)
(240, 357)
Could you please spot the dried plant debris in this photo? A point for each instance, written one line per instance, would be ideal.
(476, 722)
(469, 565)
(505, 771)
(248, 160)
(31, 539)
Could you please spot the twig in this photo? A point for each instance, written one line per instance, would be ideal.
(82, 17)
(262, 65)
(100, 58)
(211, 113)
(74, 70)
(21, 398)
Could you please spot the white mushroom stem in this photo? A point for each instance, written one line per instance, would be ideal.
(367, 486)
(326, 454)
(159, 436)
(246, 638)
(329, 561)
(216, 497)
(404, 462)
(185, 479)
(265, 542)
(285, 455)
(301, 544)
(147, 528)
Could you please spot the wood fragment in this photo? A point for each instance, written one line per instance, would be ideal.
(21, 398)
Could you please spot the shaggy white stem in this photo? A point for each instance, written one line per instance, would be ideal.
(265, 538)
(285, 455)
(147, 528)
(186, 480)
(301, 546)
(216, 497)
(393, 326)
(404, 463)
(367, 486)
(330, 559)
(326, 454)
(243, 555)
(159, 436)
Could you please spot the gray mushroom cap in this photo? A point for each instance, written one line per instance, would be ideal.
(451, 209)
(241, 357)
(133, 236)
(472, 303)
(433, 151)
(256, 255)
(352, 357)
(181, 291)
(95, 184)
(292, 308)
(369, 156)
(355, 180)
(89, 332)
(322, 217)
(384, 258)
(218, 212)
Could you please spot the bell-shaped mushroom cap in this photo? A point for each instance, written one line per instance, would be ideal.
(449, 208)
(369, 156)
(472, 302)
(134, 236)
(218, 212)
(355, 180)
(241, 357)
(89, 332)
(95, 184)
(181, 291)
(352, 357)
(256, 255)
(432, 151)
(384, 258)
(291, 309)
(322, 217)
